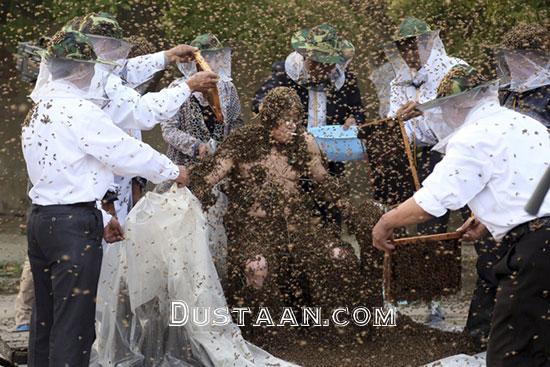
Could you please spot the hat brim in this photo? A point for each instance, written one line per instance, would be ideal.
(434, 103)
(416, 35)
(321, 57)
(214, 50)
(43, 54)
(400, 39)
(334, 56)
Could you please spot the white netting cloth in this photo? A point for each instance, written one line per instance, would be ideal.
(528, 69)
(87, 79)
(219, 60)
(111, 49)
(164, 258)
(445, 116)
(431, 52)
(382, 76)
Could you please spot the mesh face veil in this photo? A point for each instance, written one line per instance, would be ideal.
(427, 47)
(219, 60)
(295, 67)
(446, 115)
(524, 69)
(85, 80)
(382, 74)
(70, 67)
(109, 48)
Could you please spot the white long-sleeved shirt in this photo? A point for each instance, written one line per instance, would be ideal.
(72, 148)
(492, 163)
(131, 110)
(402, 90)
(125, 198)
(139, 69)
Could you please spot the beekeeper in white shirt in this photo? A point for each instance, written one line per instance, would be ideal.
(494, 158)
(71, 149)
(124, 99)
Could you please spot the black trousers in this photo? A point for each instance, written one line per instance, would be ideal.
(478, 324)
(520, 327)
(65, 256)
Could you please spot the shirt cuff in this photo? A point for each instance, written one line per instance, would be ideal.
(429, 203)
(159, 58)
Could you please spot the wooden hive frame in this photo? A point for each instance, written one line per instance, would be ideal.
(445, 244)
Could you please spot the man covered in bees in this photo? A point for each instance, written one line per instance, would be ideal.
(280, 253)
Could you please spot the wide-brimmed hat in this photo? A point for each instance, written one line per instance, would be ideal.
(206, 41)
(322, 44)
(99, 24)
(412, 27)
(72, 45)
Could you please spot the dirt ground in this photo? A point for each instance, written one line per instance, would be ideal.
(410, 343)
(407, 344)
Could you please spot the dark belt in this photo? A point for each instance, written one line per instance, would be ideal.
(88, 204)
(528, 227)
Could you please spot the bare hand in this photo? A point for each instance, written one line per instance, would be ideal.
(180, 53)
(350, 121)
(113, 231)
(183, 177)
(408, 111)
(382, 236)
(202, 81)
(472, 229)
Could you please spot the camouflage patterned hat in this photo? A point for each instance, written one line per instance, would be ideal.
(322, 44)
(460, 78)
(100, 24)
(206, 41)
(73, 24)
(412, 27)
(71, 45)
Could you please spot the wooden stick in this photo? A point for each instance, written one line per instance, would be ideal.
(213, 96)
(428, 238)
(386, 280)
(377, 122)
(384, 121)
(408, 151)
